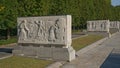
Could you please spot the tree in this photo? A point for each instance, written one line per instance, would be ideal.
(8, 15)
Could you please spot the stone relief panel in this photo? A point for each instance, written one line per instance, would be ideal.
(42, 30)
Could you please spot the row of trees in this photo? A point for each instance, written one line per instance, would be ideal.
(81, 11)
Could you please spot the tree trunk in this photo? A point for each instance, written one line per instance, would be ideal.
(8, 33)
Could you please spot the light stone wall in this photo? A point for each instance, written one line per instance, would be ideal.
(98, 25)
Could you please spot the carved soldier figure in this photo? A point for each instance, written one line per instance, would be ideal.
(52, 32)
(23, 33)
(41, 29)
(31, 28)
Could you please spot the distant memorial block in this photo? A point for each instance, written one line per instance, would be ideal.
(98, 26)
(119, 25)
(45, 37)
(114, 26)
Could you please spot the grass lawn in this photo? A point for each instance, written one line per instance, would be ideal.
(23, 62)
(84, 41)
(12, 40)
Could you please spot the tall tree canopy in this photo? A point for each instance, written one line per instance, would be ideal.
(8, 15)
(81, 11)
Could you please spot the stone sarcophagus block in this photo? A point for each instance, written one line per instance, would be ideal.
(41, 36)
(98, 27)
(114, 24)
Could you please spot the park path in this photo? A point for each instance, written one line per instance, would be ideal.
(95, 57)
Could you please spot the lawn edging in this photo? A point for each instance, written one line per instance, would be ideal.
(8, 45)
(80, 37)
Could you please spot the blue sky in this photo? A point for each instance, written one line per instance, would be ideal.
(115, 2)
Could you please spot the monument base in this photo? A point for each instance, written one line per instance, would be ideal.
(48, 52)
(104, 33)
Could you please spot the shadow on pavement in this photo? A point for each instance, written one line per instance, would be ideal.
(6, 50)
(113, 60)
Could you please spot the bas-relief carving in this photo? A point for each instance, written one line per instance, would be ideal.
(104, 26)
(53, 32)
(32, 29)
(41, 30)
(38, 31)
(97, 25)
(56, 31)
(114, 24)
(23, 30)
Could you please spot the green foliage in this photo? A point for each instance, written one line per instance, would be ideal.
(81, 11)
(8, 14)
(8, 41)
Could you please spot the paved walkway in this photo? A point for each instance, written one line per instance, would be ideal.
(95, 57)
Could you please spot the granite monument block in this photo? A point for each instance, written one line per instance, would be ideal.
(45, 37)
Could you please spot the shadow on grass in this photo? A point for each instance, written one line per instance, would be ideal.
(113, 60)
(6, 50)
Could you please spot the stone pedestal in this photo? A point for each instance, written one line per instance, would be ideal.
(63, 53)
(48, 53)
(101, 27)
